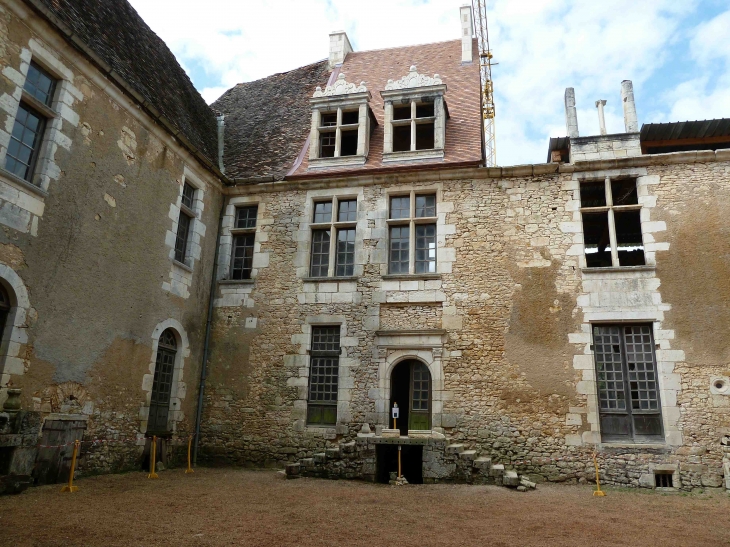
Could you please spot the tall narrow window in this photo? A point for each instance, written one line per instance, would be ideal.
(412, 230)
(611, 223)
(184, 224)
(628, 389)
(162, 383)
(4, 308)
(323, 376)
(244, 236)
(333, 238)
(30, 122)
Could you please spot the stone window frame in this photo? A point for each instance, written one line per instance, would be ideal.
(181, 274)
(415, 89)
(339, 97)
(15, 334)
(299, 364)
(245, 231)
(412, 221)
(334, 226)
(61, 118)
(179, 387)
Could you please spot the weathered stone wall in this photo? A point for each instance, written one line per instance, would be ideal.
(514, 368)
(91, 272)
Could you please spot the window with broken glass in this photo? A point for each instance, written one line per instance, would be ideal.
(323, 375)
(333, 238)
(185, 223)
(414, 126)
(628, 388)
(338, 133)
(244, 238)
(30, 122)
(412, 234)
(611, 216)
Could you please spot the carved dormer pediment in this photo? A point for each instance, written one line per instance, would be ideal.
(413, 79)
(340, 87)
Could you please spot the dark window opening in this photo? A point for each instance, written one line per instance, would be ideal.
(387, 462)
(351, 117)
(320, 253)
(593, 194)
(597, 240)
(327, 145)
(345, 264)
(425, 136)
(348, 143)
(425, 110)
(347, 211)
(40, 84)
(25, 142)
(399, 250)
(624, 192)
(162, 383)
(628, 389)
(184, 224)
(242, 261)
(323, 376)
(401, 138)
(246, 216)
(329, 120)
(4, 308)
(630, 244)
(402, 112)
(663, 480)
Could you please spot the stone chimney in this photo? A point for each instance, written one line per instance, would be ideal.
(571, 114)
(339, 48)
(627, 97)
(467, 27)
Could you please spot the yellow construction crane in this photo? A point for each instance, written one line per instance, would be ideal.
(479, 7)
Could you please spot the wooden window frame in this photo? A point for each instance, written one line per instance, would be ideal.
(334, 226)
(610, 209)
(412, 221)
(243, 232)
(316, 407)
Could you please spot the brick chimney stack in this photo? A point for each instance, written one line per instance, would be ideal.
(467, 30)
(339, 48)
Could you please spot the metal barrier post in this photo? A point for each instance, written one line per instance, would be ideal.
(598, 491)
(190, 444)
(153, 457)
(70, 487)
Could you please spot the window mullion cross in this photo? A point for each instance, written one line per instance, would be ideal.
(338, 134)
(413, 129)
(412, 233)
(611, 225)
(333, 218)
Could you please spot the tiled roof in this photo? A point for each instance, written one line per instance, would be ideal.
(115, 33)
(375, 68)
(267, 121)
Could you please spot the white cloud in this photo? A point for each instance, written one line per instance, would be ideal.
(210, 94)
(543, 46)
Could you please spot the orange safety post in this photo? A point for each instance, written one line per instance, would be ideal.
(70, 487)
(153, 457)
(190, 444)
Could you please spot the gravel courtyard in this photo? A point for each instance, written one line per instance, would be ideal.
(261, 508)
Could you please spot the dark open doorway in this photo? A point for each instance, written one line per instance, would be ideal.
(410, 387)
(411, 462)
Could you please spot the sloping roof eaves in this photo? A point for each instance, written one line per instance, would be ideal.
(267, 121)
(685, 130)
(115, 37)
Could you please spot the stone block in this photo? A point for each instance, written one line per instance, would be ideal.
(455, 449)
(483, 464)
(292, 470)
(510, 478)
(468, 455)
(711, 480)
(497, 470)
(320, 458)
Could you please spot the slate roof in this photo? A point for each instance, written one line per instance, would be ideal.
(685, 130)
(114, 32)
(267, 121)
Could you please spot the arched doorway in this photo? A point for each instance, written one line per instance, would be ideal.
(162, 384)
(410, 387)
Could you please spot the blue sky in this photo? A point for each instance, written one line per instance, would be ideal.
(677, 52)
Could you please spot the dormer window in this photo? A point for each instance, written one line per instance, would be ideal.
(415, 118)
(341, 123)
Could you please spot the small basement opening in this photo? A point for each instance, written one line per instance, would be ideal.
(411, 462)
(663, 479)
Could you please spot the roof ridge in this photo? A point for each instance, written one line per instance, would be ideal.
(281, 73)
(403, 47)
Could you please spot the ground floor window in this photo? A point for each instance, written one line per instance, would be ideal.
(162, 383)
(628, 388)
(323, 376)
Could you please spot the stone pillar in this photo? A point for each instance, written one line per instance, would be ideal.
(571, 114)
(314, 135)
(627, 97)
(339, 48)
(465, 16)
(601, 116)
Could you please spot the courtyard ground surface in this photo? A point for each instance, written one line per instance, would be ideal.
(243, 507)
